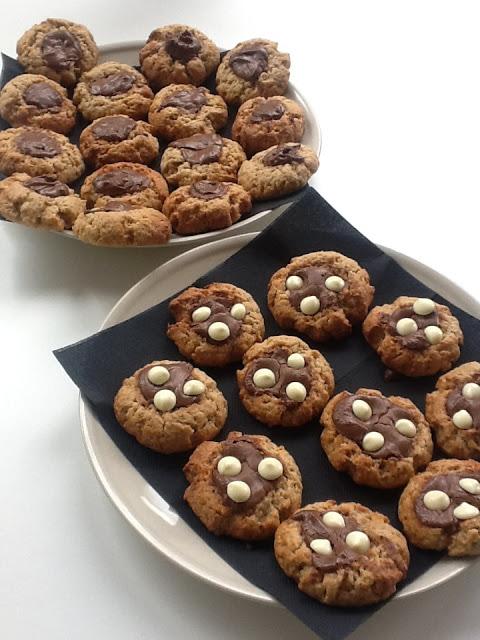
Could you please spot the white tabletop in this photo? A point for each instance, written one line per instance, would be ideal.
(395, 89)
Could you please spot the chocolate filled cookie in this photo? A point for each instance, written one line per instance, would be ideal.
(203, 156)
(170, 406)
(113, 88)
(127, 182)
(242, 487)
(380, 442)
(253, 68)
(342, 554)
(42, 202)
(178, 54)
(414, 336)
(59, 49)
(283, 382)
(119, 224)
(262, 123)
(322, 295)
(440, 508)
(215, 325)
(205, 206)
(37, 101)
(278, 171)
(453, 411)
(181, 110)
(118, 139)
(39, 152)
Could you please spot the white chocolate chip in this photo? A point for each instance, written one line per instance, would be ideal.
(270, 468)
(470, 485)
(296, 361)
(218, 331)
(462, 419)
(229, 466)
(164, 400)
(436, 500)
(201, 314)
(358, 541)
(406, 427)
(423, 306)
(321, 546)
(158, 375)
(335, 283)
(333, 519)
(296, 391)
(238, 491)
(373, 441)
(465, 511)
(238, 311)
(406, 326)
(294, 282)
(471, 390)
(433, 334)
(361, 410)
(310, 305)
(264, 378)
(193, 388)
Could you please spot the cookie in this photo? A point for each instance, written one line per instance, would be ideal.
(37, 101)
(181, 110)
(278, 171)
(262, 123)
(322, 294)
(342, 554)
(170, 406)
(283, 382)
(206, 206)
(379, 441)
(127, 182)
(59, 49)
(113, 88)
(440, 508)
(42, 202)
(414, 336)
(453, 411)
(242, 487)
(118, 139)
(39, 152)
(216, 324)
(178, 54)
(203, 156)
(119, 224)
(253, 68)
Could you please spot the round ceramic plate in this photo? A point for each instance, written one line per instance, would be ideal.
(127, 52)
(141, 505)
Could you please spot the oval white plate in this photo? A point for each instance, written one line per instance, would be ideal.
(141, 505)
(127, 52)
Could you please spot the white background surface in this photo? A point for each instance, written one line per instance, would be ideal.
(395, 89)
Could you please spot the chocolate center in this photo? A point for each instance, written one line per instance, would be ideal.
(284, 374)
(112, 85)
(191, 100)
(42, 96)
(38, 144)
(180, 372)
(113, 128)
(47, 186)
(267, 110)
(120, 182)
(113, 205)
(417, 340)
(207, 190)
(183, 47)
(456, 401)
(60, 50)
(220, 308)
(449, 484)
(248, 63)
(283, 154)
(313, 285)
(201, 148)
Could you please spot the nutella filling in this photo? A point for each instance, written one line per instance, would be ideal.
(417, 340)
(120, 182)
(201, 148)
(220, 308)
(113, 205)
(179, 372)
(268, 110)
(38, 144)
(449, 484)
(249, 62)
(456, 401)
(277, 362)
(191, 100)
(313, 285)
(61, 50)
(42, 96)
(283, 154)
(113, 128)
(384, 416)
(112, 85)
(47, 186)
(183, 47)
(207, 190)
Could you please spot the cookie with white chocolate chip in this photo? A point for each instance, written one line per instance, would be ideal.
(453, 411)
(216, 324)
(283, 382)
(440, 508)
(379, 441)
(170, 406)
(242, 487)
(342, 554)
(322, 295)
(414, 336)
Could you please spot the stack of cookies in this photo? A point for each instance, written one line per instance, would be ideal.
(151, 138)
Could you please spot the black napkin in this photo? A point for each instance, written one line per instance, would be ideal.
(100, 363)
